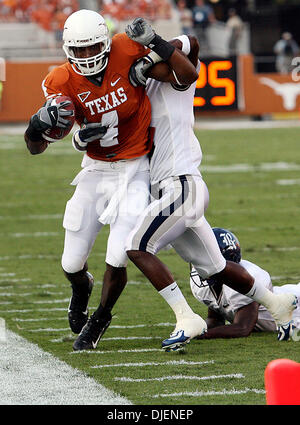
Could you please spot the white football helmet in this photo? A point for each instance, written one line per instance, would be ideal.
(86, 42)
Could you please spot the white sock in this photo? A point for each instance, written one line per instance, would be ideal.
(261, 294)
(174, 297)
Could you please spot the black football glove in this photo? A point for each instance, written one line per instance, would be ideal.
(49, 116)
(88, 133)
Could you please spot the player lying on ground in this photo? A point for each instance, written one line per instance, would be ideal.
(226, 305)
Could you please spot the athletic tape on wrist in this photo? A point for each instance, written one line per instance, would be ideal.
(77, 139)
(154, 57)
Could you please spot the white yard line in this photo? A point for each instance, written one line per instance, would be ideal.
(242, 168)
(238, 124)
(40, 319)
(181, 377)
(141, 364)
(32, 217)
(17, 319)
(210, 393)
(288, 182)
(134, 350)
(200, 123)
(31, 235)
(30, 310)
(30, 376)
(15, 280)
(128, 338)
(116, 338)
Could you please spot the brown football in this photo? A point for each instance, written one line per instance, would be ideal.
(57, 133)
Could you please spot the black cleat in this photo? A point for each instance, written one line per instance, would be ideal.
(78, 308)
(91, 333)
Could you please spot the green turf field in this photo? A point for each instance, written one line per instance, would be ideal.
(253, 179)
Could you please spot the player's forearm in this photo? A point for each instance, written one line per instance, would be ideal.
(185, 71)
(227, 331)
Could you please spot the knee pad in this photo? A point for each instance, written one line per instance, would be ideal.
(72, 264)
(76, 276)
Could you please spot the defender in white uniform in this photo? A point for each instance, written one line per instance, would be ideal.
(226, 305)
(176, 213)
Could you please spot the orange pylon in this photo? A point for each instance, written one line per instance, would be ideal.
(282, 382)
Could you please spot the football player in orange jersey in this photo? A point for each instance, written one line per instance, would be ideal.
(114, 115)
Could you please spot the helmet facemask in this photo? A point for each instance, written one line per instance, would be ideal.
(83, 63)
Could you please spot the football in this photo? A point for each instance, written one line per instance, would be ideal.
(58, 133)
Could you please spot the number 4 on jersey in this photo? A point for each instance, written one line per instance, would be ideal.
(111, 121)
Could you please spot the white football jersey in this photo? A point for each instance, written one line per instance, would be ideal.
(230, 301)
(177, 150)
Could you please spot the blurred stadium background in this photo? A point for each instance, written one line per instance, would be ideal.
(239, 77)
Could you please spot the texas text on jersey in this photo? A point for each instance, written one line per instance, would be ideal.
(114, 103)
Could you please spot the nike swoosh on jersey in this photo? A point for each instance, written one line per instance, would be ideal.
(113, 83)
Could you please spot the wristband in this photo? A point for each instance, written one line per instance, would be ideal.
(162, 47)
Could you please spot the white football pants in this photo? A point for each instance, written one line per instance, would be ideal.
(176, 217)
(113, 193)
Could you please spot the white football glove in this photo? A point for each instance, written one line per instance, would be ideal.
(140, 31)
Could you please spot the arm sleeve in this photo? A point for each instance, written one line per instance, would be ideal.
(53, 84)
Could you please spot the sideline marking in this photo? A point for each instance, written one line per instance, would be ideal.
(52, 382)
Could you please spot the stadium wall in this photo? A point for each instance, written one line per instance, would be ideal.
(256, 93)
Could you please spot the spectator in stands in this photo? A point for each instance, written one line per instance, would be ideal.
(43, 15)
(114, 9)
(285, 49)
(235, 27)
(203, 16)
(59, 19)
(186, 17)
(119, 10)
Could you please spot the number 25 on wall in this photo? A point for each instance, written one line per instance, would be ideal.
(209, 75)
